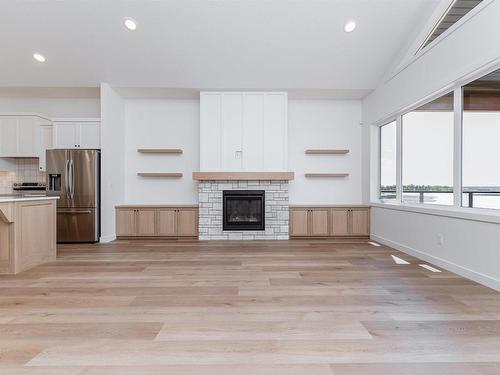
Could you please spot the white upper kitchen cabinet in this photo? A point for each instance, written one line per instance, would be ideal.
(77, 133)
(8, 136)
(23, 136)
(243, 131)
(47, 143)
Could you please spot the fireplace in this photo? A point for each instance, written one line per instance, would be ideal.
(243, 210)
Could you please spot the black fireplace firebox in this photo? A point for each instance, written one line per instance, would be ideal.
(243, 210)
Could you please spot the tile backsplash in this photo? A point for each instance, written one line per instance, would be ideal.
(6, 181)
(26, 171)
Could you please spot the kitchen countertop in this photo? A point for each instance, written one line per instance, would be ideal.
(25, 197)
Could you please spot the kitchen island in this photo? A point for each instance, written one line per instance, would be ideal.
(27, 232)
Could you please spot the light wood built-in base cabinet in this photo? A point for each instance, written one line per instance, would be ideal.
(329, 221)
(156, 221)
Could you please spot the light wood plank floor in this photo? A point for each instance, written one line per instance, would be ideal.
(225, 308)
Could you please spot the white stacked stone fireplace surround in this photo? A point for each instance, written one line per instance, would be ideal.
(276, 214)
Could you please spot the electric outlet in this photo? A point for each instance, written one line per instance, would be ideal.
(440, 239)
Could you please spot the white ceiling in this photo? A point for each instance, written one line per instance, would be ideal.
(195, 44)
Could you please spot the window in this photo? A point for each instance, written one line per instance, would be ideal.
(480, 138)
(427, 153)
(388, 162)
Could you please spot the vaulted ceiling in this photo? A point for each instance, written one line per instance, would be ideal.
(245, 44)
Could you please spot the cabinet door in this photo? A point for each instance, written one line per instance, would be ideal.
(360, 222)
(90, 135)
(299, 222)
(340, 221)
(8, 136)
(319, 222)
(125, 222)
(146, 222)
(46, 141)
(26, 137)
(167, 222)
(66, 135)
(187, 222)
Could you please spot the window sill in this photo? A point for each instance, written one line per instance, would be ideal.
(472, 214)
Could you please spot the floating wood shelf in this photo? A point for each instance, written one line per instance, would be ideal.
(327, 174)
(160, 150)
(151, 174)
(326, 152)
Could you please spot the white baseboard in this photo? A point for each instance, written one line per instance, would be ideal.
(478, 277)
(106, 239)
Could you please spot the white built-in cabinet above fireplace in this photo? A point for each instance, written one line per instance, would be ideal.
(243, 131)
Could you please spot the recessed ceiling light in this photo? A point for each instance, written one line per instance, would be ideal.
(130, 24)
(39, 57)
(350, 26)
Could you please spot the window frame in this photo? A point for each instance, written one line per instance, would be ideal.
(379, 192)
(453, 92)
(457, 209)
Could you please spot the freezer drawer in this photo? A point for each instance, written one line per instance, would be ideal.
(77, 225)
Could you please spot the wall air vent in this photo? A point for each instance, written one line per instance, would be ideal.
(453, 14)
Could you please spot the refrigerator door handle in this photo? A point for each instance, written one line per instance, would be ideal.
(85, 212)
(66, 179)
(72, 191)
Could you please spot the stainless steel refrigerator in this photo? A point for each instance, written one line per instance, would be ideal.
(74, 176)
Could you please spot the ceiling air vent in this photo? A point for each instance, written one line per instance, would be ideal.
(455, 12)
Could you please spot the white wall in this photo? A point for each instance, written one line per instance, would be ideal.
(470, 45)
(324, 124)
(171, 123)
(53, 107)
(471, 247)
(129, 124)
(161, 123)
(112, 158)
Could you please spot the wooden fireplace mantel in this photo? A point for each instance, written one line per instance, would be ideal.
(242, 176)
